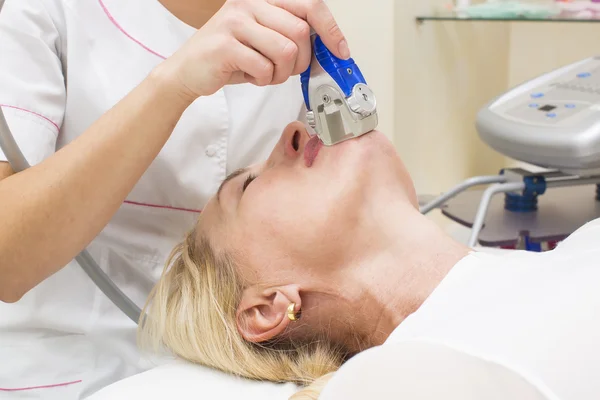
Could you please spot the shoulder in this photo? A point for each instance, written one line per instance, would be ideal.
(58, 10)
(423, 370)
(53, 20)
(45, 15)
(52, 7)
(589, 228)
(583, 239)
(63, 4)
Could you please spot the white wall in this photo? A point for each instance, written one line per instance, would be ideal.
(539, 47)
(445, 72)
(370, 33)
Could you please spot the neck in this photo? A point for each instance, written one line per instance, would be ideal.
(195, 13)
(410, 258)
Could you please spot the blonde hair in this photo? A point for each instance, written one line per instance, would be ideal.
(314, 390)
(191, 312)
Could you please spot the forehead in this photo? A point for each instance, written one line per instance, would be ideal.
(219, 220)
(216, 224)
(224, 233)
(211, 217)
(229, 178)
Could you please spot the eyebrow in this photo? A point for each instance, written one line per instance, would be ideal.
(230, 177)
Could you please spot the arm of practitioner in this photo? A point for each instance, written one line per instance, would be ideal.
(51, 211)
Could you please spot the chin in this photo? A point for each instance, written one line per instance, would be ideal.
(373, 138)
(374, 160)
(372, 144)
(368, 154)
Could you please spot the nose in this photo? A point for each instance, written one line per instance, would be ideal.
(293, 140)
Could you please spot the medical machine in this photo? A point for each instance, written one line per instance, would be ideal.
(340, 104)
(343, 108)
(553, 124)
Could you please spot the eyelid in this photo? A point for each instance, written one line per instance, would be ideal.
(248, 181)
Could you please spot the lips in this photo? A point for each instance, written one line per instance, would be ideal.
(311, 150)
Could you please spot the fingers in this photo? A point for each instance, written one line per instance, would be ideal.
(272, 38)
(320, 18)
(289, 25)
(256, 68)
(277, 48)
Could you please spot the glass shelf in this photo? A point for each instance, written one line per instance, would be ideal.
(454, 17)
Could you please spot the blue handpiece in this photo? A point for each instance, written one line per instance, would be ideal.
(344, 72)
(343, 106)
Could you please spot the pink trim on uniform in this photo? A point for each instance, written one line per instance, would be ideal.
(40, 387)
(33, 113)
(135, 203)
(119, 27)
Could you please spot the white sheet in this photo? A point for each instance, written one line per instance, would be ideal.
(414, 370)
(184, 381)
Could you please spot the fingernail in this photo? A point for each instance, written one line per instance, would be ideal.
(344, 50)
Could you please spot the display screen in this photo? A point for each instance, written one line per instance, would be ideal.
(547, 108)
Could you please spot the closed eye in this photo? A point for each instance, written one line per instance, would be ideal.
(248, 181)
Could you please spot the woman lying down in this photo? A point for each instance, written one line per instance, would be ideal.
(318, 254)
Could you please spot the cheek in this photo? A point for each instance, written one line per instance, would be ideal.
(306, 222)
(278, 217)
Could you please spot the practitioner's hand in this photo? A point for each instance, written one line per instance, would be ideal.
(263, 42)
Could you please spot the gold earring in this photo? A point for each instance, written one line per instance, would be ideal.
(291, 312)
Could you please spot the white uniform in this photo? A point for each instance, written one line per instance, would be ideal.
(520, 326)
(64, 63)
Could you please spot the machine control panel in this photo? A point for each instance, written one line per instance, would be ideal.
(558, 102)
(552, 121)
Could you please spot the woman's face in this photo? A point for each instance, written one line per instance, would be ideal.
(303, 209)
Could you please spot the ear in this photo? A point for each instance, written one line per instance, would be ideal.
(262, 314)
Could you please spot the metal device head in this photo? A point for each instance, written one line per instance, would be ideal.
(340, 105)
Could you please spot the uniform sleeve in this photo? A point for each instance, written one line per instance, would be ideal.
(32, 86)
(422, 371)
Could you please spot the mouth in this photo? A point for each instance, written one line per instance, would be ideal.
(311, 150)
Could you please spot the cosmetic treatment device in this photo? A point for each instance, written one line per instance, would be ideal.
(340, 105)
(552, 123)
